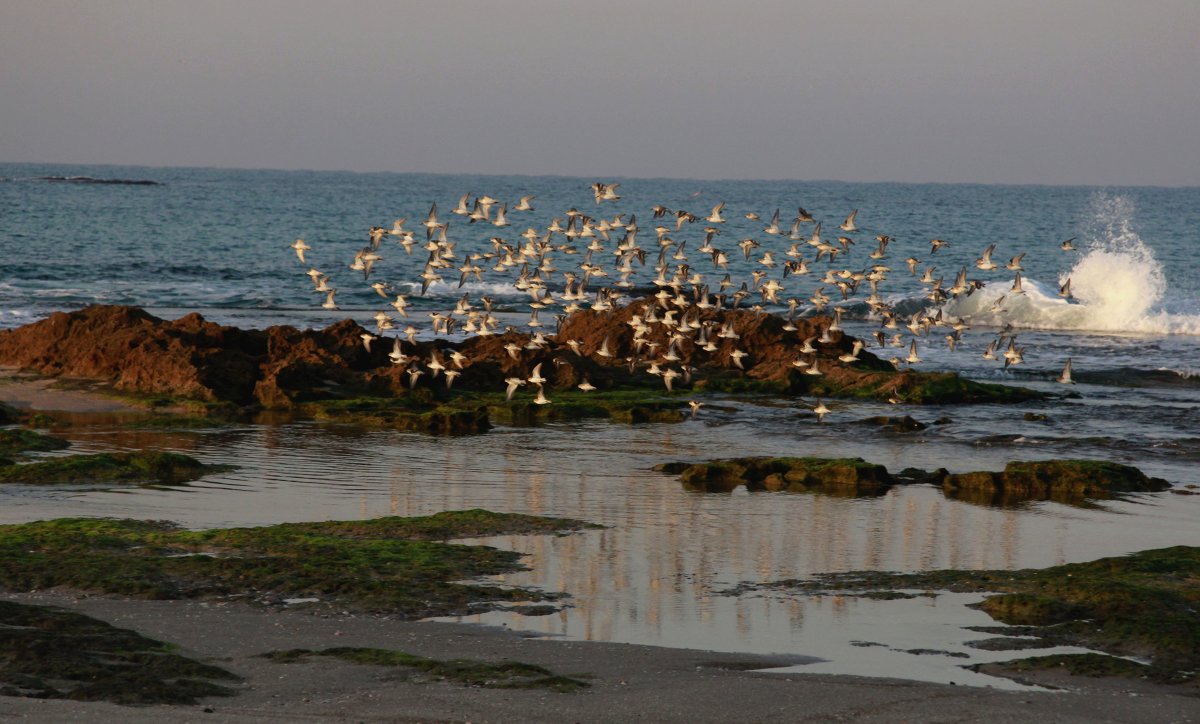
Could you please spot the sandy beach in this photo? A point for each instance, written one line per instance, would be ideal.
(628, 683)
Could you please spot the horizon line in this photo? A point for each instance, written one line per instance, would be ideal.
(617, 177)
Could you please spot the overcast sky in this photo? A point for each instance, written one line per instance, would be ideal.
(993, 91)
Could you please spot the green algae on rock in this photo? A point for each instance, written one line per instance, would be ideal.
(489, 675)
(19, 440)
(846, 476)
(1059, 480)
(1146, 604)
(49, 653)
(1067, 481)
(469, 413)
(1095, 665)
(393, 565)
(142, 467)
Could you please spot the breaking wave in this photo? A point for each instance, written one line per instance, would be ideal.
(1117, 286)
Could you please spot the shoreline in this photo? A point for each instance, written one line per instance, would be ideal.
(628, 681)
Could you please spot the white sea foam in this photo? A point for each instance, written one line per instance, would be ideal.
(1117, 286)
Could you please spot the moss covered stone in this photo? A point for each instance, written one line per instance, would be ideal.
(1095, 665)
(1145, 604)
(1065, 481)
(142, 467)
(19, 440)
(845, 476)
(490, 675)
(1069, 481)
(50, 653)
(386, 564)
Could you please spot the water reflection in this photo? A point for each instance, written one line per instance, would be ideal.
(659, 572)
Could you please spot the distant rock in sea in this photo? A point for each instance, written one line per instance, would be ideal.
(93, 180)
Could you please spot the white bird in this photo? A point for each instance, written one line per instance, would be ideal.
(1065, 377)
(985, 262)
(820, 410)
(300, 248)
(912, 357)
(535, 377)
(513, 384)
(848, 224)
(852, 356)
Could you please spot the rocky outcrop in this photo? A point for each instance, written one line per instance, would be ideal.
(284, 367)
(838, 476)
(1066, 481)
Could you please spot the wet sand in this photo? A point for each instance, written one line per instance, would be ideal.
(628, 682)
(42, 394)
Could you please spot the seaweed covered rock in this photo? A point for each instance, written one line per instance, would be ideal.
(391, 564)
(141, 467)
(19, 440)
(839, 476)
(1060, 480)
(48, 653)
(1144, 605)
(1068, 481)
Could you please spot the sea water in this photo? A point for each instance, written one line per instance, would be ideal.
(217, 241)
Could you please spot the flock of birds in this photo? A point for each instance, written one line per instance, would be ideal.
(601, 256)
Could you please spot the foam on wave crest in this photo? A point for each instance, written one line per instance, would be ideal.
(1117, 286)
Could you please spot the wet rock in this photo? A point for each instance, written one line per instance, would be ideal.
(1061, 480)
(49, 653)
(1073, 482)
(895, 424)
(18, 440)
(147, 466)
(1035, 417)
(1138, 605)
(844, 476)
(284, 367)
(9, 415)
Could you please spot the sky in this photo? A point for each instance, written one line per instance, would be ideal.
(991, 91)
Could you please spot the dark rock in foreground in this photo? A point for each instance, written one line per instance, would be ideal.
(47, 653)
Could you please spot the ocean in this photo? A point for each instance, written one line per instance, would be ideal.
(216, 241)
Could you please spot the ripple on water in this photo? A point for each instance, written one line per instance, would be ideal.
(657, 573)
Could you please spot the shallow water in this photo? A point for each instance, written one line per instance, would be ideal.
(662, 571)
